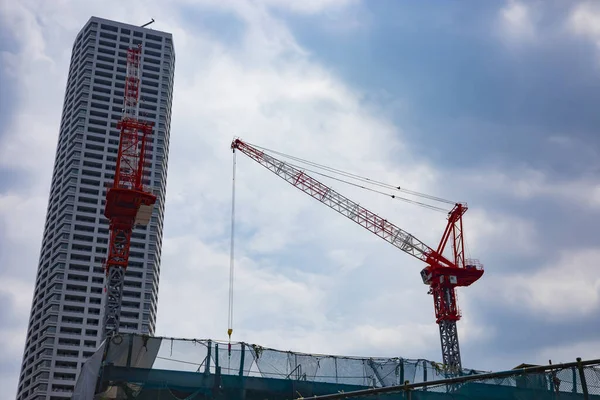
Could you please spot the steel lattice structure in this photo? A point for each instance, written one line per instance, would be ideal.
(441, 274)
(128, 203)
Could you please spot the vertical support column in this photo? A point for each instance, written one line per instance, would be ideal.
(407, 394)
(296, 366)
(554, 382)
(217, 357)
(574, 371)
(241, 373)
(207, 365)
(586, 395)
(129, 350)
(401, 371)
(216, 390)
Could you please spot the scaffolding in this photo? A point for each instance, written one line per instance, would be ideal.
(143, 367)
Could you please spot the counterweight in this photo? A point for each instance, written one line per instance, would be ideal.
(128, 203)
(441, 274)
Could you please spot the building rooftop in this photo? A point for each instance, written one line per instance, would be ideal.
(126, 25)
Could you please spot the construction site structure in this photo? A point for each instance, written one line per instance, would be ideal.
(441, 274)
(128, 203)
(136, 366)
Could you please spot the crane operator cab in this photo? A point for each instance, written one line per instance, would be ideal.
(426, 275)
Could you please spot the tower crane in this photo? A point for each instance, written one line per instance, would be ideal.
(441, 274)
(128, 202)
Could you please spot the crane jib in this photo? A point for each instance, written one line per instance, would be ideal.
(441, 274)
(326, 195)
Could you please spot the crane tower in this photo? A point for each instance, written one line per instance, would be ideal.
(441, 274)
(128, 202)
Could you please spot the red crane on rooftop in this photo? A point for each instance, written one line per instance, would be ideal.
(128, 202)
(441, 274)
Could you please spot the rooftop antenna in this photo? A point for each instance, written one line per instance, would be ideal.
(148, 23)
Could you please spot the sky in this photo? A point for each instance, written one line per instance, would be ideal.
(490, 103)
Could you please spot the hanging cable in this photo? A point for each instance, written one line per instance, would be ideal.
(231, 258)
(393, 196)
(357, 177)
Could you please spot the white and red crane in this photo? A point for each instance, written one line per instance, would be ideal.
(441, 274)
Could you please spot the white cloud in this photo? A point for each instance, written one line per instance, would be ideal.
(309, 6)
(306, 278)
(21, 224)
(496, 233)
(584, 19)
(517, 21)
(587, 350)
(566, 288)
(261, 292)
(528, 183)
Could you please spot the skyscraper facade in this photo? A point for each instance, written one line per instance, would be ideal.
(68, 301)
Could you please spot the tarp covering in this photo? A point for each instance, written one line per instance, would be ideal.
(117, 352)
(88, 376)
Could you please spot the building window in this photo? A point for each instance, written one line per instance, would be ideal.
(109, 27)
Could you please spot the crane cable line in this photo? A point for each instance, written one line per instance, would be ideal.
(393, 196)
(369, 180)
(364, 179)
(357, 177)
(231, 260)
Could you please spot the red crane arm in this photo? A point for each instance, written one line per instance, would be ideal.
(350, 209)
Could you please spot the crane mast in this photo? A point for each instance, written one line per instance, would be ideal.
(128, 202)
(441, 274)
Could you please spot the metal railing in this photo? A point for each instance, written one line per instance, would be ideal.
(579, 377)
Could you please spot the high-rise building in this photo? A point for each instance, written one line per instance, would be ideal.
(68, 301)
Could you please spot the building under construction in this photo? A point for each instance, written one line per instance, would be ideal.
(142, 367)
(128, 365)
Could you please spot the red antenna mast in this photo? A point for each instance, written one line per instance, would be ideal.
(128, 203)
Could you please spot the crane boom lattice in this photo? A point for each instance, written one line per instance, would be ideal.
(352, 210)
(441, 274)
